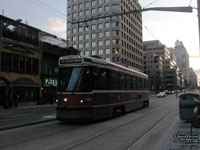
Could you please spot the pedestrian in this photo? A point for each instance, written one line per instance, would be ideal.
(16, 98)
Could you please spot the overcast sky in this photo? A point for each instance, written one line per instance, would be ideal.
(50, 16)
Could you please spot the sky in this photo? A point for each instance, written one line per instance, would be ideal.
(167, 27)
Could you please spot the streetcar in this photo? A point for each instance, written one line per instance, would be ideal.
(91, 88)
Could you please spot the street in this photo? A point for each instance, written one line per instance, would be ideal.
(149, 128)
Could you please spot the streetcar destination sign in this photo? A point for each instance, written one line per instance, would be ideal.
(71, 60)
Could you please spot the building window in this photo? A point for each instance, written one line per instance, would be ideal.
(21, 63)
(107, 51)
(107, 24)
(35, 66)
(107, 59)
(87, 53)
(87, 12)
(107, 42)
(80, 5)
(73, 30)
(86, 45)
(80, 13)
(93, 35)
(100, 34)
(100, 26)
(80, 45)
(93, 52)
(93, 44)
(80, 37)
(100, 9)
(100, 1)
(74, 14)
(100, 43)
(74, 38)
(86, 36)
(107, 8)
(107, 34)
(100, 52)
(93, 10)
(93, 2)
(87, 4)
(93, 27)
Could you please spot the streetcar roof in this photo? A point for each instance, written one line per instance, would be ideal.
(98, 61)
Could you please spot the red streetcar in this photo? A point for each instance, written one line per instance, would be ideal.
(91, 89)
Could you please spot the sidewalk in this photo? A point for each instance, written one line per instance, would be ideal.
(25, 105)
(26, 114)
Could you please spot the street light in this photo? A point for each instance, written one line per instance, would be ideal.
(1, 34)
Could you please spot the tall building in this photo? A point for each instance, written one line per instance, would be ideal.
(182, 59)
(157, 47)
(117, 39)
(170, 79)
(153, 66)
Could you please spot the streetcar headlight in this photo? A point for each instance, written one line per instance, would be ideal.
(56, 100)
(65, 99)
(81, 101)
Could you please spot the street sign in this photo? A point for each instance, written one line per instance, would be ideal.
(50, 82)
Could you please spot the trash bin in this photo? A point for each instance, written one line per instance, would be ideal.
(186, 106)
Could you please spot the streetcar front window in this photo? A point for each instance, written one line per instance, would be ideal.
(75, 79)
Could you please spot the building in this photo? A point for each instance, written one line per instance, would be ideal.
(153, 66)
(182, 59)
(167, 70)
(193, 79)
(26, 60)
(117, 39)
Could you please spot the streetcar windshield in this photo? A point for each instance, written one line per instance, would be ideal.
(76, 79)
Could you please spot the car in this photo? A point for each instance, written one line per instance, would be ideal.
(186, 106)
(161, 94)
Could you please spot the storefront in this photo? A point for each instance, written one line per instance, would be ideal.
(49, 88)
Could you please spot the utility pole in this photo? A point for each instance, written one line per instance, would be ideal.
(198, 9)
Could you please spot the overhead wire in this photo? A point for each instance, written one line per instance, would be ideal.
(190, 2)
(151, 3)
(46, 6)
(149, 32)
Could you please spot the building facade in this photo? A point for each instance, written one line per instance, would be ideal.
(193, 79)
(153, 66)
(168, 70)
(182, 59)
(25, 61)
(117, 39)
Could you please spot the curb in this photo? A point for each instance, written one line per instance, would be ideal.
(26, 124)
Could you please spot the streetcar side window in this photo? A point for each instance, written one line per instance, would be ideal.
(100, 79)
(113, 80)
(128, 82)
(134, 82)
(122, 81)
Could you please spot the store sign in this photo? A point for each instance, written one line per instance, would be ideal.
(50, 82)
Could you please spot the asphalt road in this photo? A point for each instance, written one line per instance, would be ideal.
(153, 127)
(26, 115)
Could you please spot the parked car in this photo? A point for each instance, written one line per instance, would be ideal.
(161, 94)
(186, 106)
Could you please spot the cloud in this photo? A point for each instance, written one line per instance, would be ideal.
(56, 25)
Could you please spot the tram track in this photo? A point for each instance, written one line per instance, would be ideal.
(79, 141)
(117, 127)
(148, 133)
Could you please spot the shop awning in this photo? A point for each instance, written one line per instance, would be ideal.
(24, 81)
(4, 81)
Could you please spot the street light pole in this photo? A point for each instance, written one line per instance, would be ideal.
(172, 9)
